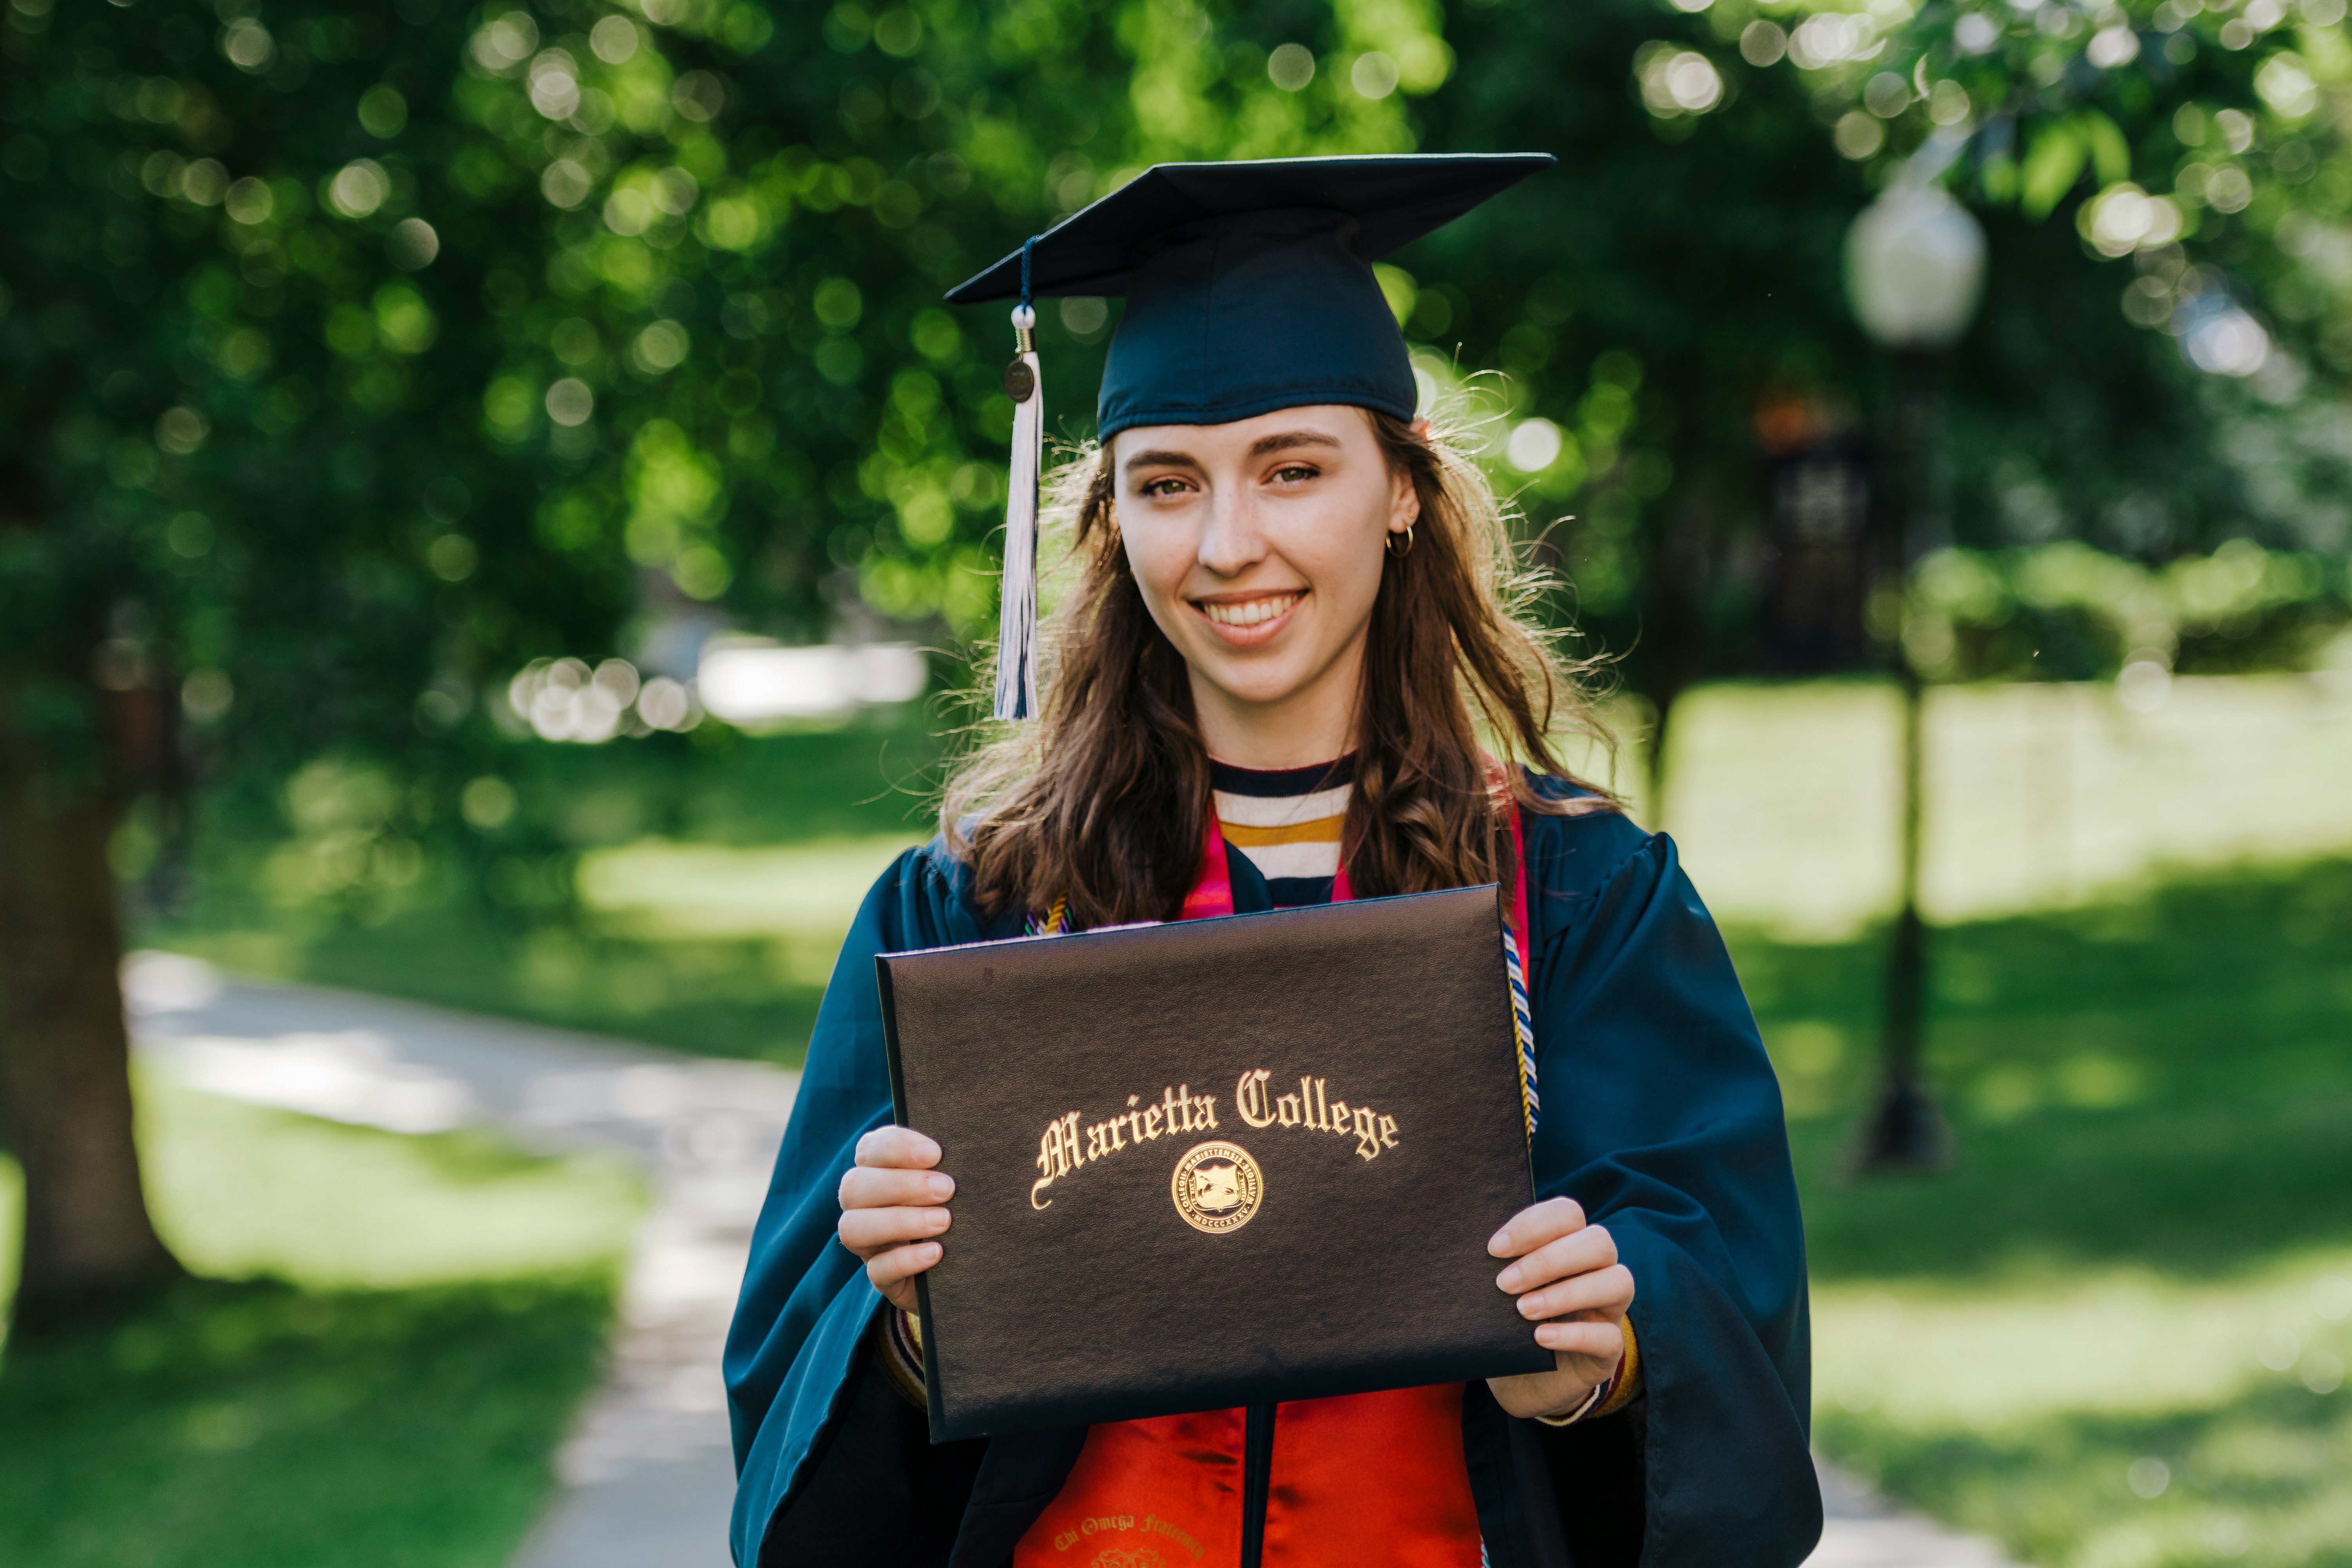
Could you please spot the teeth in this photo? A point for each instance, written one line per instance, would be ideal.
(1250, 612)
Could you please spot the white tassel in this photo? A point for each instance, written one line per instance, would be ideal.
(1016, 634)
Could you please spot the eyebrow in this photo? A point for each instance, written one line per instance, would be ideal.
(1263, 446)
(1288, 439)
(1162, 461)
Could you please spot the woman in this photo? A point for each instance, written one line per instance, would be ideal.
(1295, 619)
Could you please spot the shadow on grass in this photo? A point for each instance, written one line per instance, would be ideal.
(710, 998)
(2165, 1080)
(269, 1426)
(2153, 1098)
(282, 891)
(2262, 1471)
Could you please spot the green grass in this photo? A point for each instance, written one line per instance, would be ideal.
(1784, 799)
(2142, 1030)
(2152, 1194)
(389, 1343)
(714, 883)
(714, 887)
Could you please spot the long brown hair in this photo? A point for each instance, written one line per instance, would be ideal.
(1101, 800)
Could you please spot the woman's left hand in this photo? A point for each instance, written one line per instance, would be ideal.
(1569, 1282)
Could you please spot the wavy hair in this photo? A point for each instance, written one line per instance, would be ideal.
(1100, 800)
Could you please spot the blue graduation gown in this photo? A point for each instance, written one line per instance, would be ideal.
(1660, 1116)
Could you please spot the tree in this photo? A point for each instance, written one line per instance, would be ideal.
(1676, 296)
(240, 377)
(355, 355)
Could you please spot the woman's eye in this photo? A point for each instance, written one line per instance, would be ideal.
(1294, 473)
(1163, 486)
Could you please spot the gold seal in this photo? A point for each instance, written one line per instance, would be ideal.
(1217, 1187)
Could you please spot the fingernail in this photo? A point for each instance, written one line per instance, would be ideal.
(942, 1188)
(1509, 1280)
(938, 1219)
(933, 1251)
(1531, 1305)
(1500, 1244)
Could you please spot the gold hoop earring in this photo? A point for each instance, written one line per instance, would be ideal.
(1407, 550)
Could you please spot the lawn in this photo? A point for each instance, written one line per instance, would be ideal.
(389, 1342)
(2112, 1336)
(714, 886)
(713, 889)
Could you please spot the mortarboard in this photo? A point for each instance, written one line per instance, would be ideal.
(1249, 288)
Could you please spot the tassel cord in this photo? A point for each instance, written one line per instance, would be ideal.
(1016, 639)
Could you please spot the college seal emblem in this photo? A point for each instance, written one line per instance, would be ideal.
(1216, 1187)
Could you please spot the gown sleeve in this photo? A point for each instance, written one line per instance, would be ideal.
(797, 1354)
(1662, 1117)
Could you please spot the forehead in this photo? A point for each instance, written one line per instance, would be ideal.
(1332, 421)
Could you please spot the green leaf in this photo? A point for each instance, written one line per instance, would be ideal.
(2109, 150)
(2053, 163)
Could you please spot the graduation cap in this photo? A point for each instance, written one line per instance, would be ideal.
(1249, 288)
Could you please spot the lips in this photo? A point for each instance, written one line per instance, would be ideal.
(1247, 613)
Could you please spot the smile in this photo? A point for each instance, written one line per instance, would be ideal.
(1249, 612)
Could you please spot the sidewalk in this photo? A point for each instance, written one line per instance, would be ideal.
(649, 1476)
(648, 1479)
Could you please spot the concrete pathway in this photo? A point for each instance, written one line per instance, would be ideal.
(648, 1476)
(1863, 1530)
(648, 1481)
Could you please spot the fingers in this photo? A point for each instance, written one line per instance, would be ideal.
(899, 1148)
(893, 1270)
(889, 1209)
(874, 1188)
(1578, 1253)
(1603, 1342)
(867, 1231)
(1604, 1293)
(1536, 1224)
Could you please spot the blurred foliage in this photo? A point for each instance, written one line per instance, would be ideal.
(743, 225)
(2199, 145)
(354, 356)
(243, 457)
(2065, 611)
(1687, 315)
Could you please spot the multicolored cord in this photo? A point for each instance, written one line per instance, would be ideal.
(1523, 1025)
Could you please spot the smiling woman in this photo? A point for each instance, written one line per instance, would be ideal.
(1294, 670)
(1272, 594)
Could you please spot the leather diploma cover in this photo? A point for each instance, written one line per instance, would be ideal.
(1216, 1163)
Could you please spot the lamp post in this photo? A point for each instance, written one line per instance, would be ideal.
(1914, 270)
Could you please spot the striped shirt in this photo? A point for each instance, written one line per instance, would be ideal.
(1288, 822)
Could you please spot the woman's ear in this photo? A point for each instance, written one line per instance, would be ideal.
(1404, 501)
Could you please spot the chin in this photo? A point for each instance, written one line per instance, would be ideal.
(1250, 682)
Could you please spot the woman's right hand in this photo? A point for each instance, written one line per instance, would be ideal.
(891, 1207)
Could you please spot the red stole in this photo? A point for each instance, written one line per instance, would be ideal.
(1361, 1478)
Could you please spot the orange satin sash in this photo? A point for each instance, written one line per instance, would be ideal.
(1364, 1479)
(1359, 1478)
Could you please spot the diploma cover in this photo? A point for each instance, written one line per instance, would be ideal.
(1221, 1162)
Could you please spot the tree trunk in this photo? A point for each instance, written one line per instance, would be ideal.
(65, 1053)
(1673, 626)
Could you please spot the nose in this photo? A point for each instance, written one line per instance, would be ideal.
(1231, 540)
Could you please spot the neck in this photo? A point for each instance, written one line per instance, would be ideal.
(1313, 725)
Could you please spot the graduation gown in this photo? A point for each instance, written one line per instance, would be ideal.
(1661, 1117)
